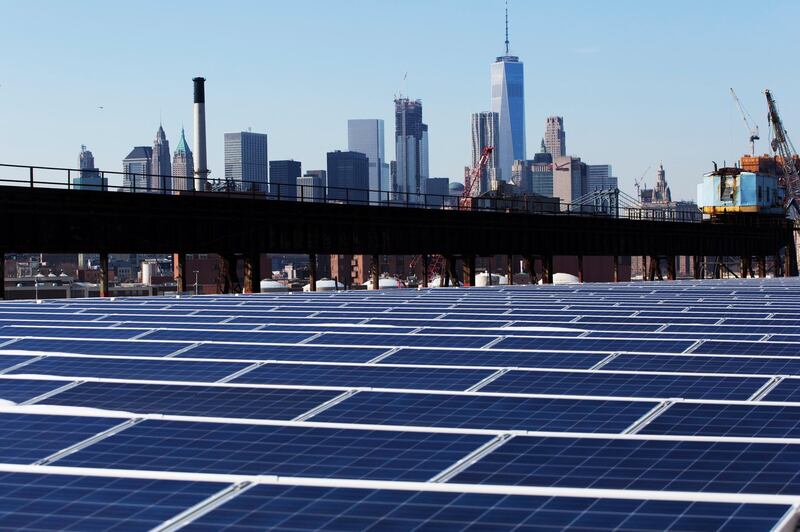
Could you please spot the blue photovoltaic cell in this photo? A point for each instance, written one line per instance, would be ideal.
(222, 401)
(290, 451)
(70, 332)
(20, 390)
(118, 368)
(758, 421)
(26, 438)
(698, 466)
(233, 336)
(679, 335)
(493, 357)
(6, 361)
(365, 376)
(100, 347)
(66, 502)
(609, 345)
(486, 412)
(400, 340)
(788, 390)
(626, 385)
(276, 507)
(748, 348)
(255, 320)
(282, 352)
(706, 364)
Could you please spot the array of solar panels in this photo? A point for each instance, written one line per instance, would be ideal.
(648, 406)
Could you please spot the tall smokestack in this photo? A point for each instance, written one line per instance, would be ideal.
(200, 161)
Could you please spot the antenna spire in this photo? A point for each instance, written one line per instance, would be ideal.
(506, 27)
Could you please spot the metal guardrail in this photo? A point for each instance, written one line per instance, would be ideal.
(133, 183)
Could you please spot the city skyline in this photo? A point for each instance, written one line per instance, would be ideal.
(621, 106)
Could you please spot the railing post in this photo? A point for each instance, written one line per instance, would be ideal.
(69, 179)
(31, 175)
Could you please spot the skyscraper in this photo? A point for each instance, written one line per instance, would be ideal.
(137, 169)
(411, 148)
(485, 132)
(246, 163)
(311, 187)
(555, 140)
(183, 165)
(348, 176)
(599, 177)
(283, 179)
(161, 166)
(90, 178)
(508, 101)
(366, 136)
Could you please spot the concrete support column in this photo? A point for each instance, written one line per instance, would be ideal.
(718, 268)
(696, 266)
(449, 274)
(787, 263)
(762, 266)
(179, 261)
(103, 274)
(547, 269)
(530, 267)
(252, 273)
(312, 272)
(229, 279)
(671, 274)
(375, 272)
(616, 268)
(644, 267)
(510, 269)
(425, 267)
(580, 268)
(469, 270)
(651, 270)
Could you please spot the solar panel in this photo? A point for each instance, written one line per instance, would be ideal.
(330, 508)
(99, 347)
(282, 352)
(595, 344)
(66, 502)
(400, 340)
(26, 438)
(713, 419)
(223, 401)
(495, 357)
(486, 412)
(69, 332)
(365, 376)
(115, 368)
(626, 385)
(633, 464)
(488, 399)
(291, 451)
(705, 364)
(21, 390)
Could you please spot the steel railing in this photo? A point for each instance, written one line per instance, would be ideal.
(139, 183)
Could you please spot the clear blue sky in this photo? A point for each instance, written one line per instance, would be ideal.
(637, 82)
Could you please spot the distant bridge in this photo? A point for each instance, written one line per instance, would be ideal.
(41, 213)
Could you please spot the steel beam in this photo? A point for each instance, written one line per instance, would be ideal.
(375, 272)
(312, 273)
(103, 274)
(510, 269)
(179, 260)
(252, 273)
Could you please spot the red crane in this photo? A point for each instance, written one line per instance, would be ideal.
(471, 184)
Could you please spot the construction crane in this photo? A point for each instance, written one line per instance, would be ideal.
(749, 123)
(784, 151)
(474, 177)
(638, 183)
(471, 181)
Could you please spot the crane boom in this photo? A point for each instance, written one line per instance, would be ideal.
(784, 149)
(749, 123)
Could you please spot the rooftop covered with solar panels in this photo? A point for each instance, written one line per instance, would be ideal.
(624, 406)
